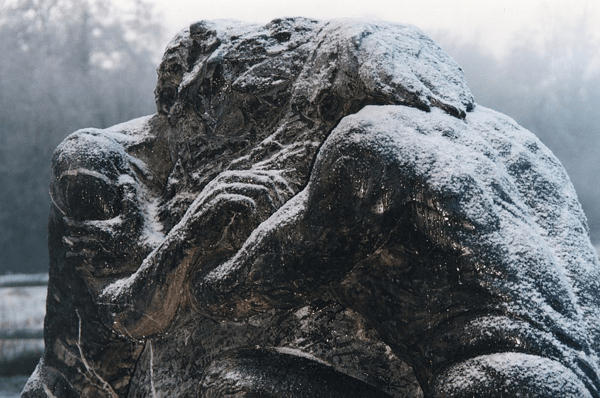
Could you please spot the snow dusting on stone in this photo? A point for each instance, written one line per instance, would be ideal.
(248, 115)
(492, 166)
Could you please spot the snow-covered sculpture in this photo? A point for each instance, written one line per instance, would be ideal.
(317, 209)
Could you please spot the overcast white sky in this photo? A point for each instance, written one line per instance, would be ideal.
(493, 22)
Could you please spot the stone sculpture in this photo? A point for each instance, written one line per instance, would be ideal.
(317, 209)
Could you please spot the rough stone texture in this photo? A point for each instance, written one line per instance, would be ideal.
(317, 209)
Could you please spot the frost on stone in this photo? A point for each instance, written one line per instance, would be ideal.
(324, 197)
(481, 375)
(531, 248)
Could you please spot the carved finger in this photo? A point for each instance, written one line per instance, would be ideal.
(280, 190)
(266, 203)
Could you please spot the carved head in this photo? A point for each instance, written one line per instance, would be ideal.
(98, 194)
(230, 88)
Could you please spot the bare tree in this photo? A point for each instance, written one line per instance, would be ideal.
(66, 64)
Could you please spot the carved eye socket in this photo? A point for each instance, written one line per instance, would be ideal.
(89, 197)
(166, 99)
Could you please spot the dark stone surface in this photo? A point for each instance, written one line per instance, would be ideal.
(317, 209)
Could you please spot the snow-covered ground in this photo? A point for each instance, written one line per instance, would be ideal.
(22, 309)
(23, 280)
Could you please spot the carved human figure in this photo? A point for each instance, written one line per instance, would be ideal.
(301, 162)
(419, 249)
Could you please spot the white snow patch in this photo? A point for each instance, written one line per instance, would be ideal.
(302, 312)
(299, 353)
(23, 279)
(153, 228)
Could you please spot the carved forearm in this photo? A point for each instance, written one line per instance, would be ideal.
(214, 228)
(146, 302)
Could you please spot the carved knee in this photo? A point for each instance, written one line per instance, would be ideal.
(508, 374)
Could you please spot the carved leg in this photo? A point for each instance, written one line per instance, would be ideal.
(508, 374)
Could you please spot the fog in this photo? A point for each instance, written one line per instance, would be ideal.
(69, 64)
(549, 83)
(64, 65)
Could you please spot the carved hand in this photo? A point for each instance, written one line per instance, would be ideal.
(213, 229)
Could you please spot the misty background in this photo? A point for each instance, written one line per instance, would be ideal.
(70, 64)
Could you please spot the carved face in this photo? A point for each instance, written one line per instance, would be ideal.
(95, 189)
(225, 87)
(224, 90)
(86, 173)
